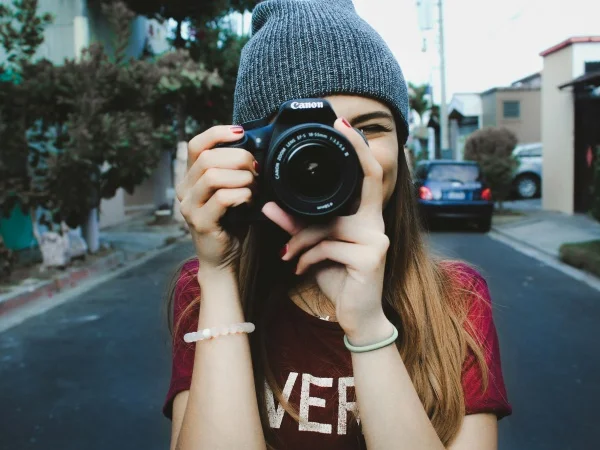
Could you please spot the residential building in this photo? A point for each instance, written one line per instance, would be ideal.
(570, 122)
(464, 114)
(516, 107)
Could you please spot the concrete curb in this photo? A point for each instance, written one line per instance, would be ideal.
(70, 279)
(545, 257)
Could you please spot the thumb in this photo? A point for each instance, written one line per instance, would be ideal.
(281, 218)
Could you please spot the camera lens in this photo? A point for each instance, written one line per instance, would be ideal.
(314, 171)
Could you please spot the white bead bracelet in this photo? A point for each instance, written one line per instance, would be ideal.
(211, 333)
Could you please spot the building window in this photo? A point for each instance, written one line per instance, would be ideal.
(512, 109)
(592, 66)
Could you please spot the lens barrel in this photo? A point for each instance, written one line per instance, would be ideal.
(313, 170)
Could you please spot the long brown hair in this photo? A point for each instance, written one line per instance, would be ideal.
(421, 297)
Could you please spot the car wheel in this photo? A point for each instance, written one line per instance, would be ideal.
(485, 224)
(527, 186)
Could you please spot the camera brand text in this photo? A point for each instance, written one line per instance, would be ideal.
(306, 105)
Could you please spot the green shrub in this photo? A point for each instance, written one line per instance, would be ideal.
(583, 255)
(492, 148)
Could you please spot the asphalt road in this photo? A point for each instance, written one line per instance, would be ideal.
(92, 373)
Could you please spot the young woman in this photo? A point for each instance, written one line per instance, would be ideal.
(362, 339)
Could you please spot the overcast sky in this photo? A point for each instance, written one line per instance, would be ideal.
(488, 42)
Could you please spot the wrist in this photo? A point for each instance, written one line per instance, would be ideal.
(209, 276)
(218, 286)
(220, 303)
(371, 331)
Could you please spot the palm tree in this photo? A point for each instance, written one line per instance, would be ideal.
(418, 97)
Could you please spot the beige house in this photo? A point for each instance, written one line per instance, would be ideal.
(516, 107)
(570, 122)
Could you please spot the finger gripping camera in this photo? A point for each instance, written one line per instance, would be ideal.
(307, 167)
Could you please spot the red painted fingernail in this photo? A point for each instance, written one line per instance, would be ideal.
(345, 122)
(237, 129)
(255, 164)
(284, 250)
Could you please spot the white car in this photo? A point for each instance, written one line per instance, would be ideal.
(528, 176)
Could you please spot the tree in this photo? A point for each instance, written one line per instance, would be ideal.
(182, 87)
(418, 98)
(211, 43)
(112, 129)
(21, 33)
(218, 47)
(122, 113)
(182, 11)
(492, 148)
(74, 134)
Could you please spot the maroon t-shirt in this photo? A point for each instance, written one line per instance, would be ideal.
(314, 368)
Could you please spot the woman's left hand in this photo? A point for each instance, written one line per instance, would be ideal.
(351, 249)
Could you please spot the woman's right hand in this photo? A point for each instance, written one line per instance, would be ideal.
(216, 179)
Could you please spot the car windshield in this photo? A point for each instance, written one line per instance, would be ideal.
(464, 173)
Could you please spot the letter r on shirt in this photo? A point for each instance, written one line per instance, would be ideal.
(344, 404)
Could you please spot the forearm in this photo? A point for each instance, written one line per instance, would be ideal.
(391, 413)
(222, 411)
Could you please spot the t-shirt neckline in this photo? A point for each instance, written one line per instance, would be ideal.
(304, 316)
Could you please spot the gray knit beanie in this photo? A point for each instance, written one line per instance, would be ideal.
(315, 48)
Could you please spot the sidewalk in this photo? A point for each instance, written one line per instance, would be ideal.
(546, 231)
(120, 246)
(139, 236)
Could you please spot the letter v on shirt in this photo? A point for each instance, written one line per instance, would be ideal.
(306, 401)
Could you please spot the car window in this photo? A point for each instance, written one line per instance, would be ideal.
(465, 173)
(529, 152)
(535, 151)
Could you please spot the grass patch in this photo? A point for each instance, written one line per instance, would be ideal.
(507, 212)
(583, 255)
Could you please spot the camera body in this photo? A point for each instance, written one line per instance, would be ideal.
(307, 167)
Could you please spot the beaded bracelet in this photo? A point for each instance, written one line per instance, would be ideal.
(376, 346)
(211, 333)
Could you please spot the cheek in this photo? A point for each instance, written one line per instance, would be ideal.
(387, 156)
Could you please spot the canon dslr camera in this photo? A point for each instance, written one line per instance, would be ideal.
(308, 167)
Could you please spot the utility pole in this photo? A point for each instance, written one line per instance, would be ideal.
(425, 16)
(443, 104)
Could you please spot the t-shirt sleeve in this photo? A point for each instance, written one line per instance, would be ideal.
(185, 292)
(494, 399)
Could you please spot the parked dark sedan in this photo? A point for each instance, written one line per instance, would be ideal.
(453, 190)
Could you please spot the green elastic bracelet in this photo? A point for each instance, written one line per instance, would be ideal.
(376, 346)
